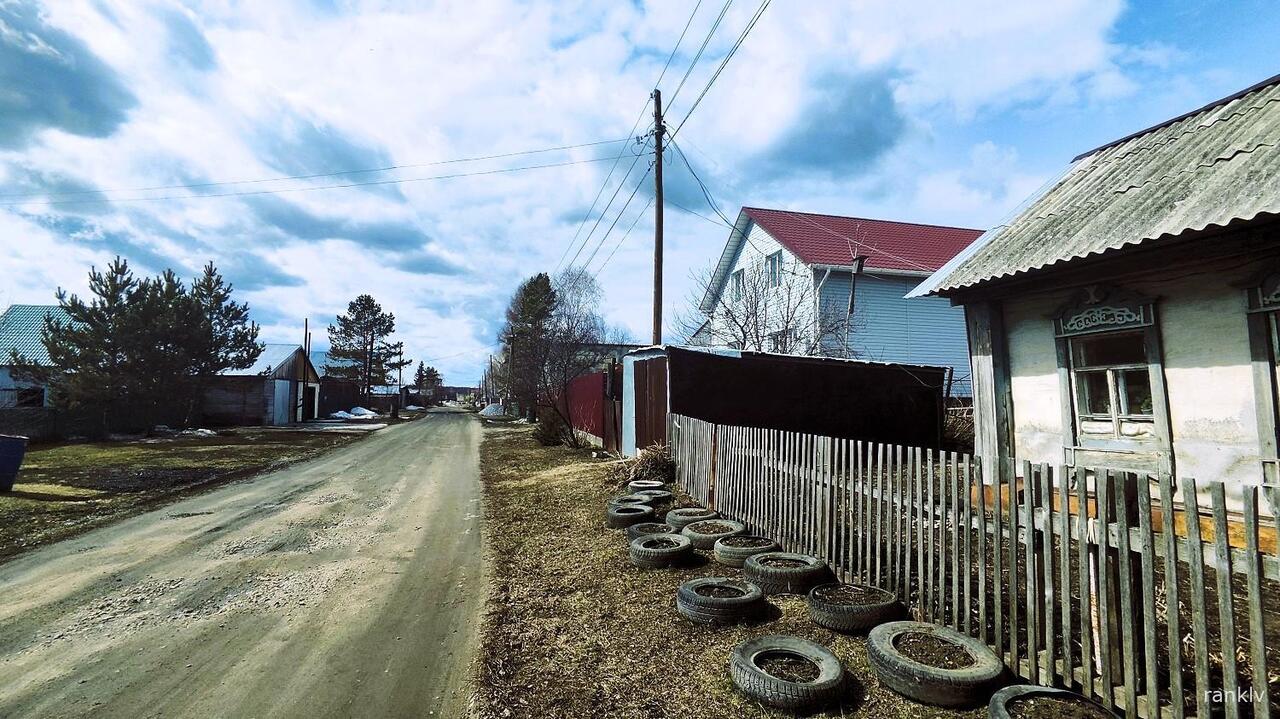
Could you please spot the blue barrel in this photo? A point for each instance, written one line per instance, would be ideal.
(12, 449)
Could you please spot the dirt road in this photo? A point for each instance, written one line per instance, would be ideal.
(345, 586)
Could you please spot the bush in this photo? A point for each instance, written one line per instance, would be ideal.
(551, 429)
(654, 462)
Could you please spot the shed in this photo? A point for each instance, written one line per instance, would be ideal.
(280, 388)
(336, 393)
(20, 332)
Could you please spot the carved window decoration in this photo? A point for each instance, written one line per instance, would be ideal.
(1098, 308)
(1266, 296)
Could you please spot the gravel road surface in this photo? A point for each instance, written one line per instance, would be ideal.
(345, 586)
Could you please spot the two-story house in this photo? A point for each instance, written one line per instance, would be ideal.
(810, 284)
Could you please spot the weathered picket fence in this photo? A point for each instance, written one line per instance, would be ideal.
(1092, 579)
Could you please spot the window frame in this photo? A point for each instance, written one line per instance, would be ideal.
(737, 284)
(773, 266)
(1098, 310)
(1118, 411)
(1262, 317)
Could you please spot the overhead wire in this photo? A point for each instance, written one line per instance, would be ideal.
(625, 235)
(312, 176)
(621, 212)
(309, 188)
(755, 18)
(701, 49)
(621, 183)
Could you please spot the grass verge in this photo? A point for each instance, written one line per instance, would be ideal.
(573, 630)
(67, 488)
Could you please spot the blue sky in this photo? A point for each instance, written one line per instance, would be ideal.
(930, 111)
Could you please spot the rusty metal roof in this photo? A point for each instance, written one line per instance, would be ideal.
(1208, 168)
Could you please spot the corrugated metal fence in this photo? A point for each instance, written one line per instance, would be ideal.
(1089, 579)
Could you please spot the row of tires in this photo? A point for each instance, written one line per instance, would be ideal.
(768, 571)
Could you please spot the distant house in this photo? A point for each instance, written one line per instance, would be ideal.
(1127, 316)
(282, 387)
(803, 283)
(336, 393)
(20, 327)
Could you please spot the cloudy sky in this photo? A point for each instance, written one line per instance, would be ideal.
(157, 131)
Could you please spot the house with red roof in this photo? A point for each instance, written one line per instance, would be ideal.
(812, 284)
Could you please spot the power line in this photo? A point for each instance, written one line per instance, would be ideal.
(339, 173)
(717, 223)
(605, 236)
(679, 40)
(622, 239)
(313, 188)
(741, 37)
(706, 193)
(698, 56)
(621, 183)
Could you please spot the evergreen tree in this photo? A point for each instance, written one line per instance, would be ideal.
(523, 336)
(358, 346)
(420, 377)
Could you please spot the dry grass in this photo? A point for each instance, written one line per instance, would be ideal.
(573, 630)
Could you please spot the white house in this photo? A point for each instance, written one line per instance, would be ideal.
(804, 283)
(1127, 316)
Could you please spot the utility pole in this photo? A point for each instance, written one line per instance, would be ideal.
(658, 131)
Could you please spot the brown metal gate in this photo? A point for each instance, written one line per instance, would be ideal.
(651, 402)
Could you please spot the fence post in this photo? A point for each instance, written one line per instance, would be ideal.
(711, 475)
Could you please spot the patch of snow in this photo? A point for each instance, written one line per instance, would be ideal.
(342, 415)
(197, 433)
(493, 410)
(362, 412)
(414, 408)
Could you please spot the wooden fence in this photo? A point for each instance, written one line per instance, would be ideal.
(1092, 579)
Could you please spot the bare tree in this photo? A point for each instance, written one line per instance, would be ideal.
(767, 308)
(573, 343)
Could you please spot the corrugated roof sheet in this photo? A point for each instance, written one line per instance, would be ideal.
(1208, 168)
(273, 355)
(320, 359)
(20, 327)
(887, 244)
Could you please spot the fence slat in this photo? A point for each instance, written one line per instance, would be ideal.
(1030, 482)
(997, 552)
(903, 517)
(967, 463)
(1045, 496)
(1199, 617)
(1226, 618)
(1167, 528)
(1128, 641)
(917, 484)
(1257, 632)
(1105, 645)
(1083, 579)
(1148, 556)
(1014, 628)
(953, 487)
(1064, 571)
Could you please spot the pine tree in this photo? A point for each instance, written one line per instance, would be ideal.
(420, 377)
(358, 346)
(523, 337)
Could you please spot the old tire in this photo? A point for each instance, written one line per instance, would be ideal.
(654, 551)
(637, 485)
(732, 556)
(628, 499)
(702, 609)
(842, 617)
(967, 686)
(642, 529)
(625, 515)
(785, 580)
(780, 693)
(998, 707)
(702, 536)
(656, 496)
(680, 518)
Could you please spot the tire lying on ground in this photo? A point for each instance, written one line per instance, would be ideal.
(1003, 700)
(719, 600)
(628, 499)
(733, 551)
(968, 671)
(852, 607)
(637, 485)
(680, 518)
(785, 572)
(704, 533)
(656, 496)
(625, 515)
(811, 676)
(654, 551)
(645, 528)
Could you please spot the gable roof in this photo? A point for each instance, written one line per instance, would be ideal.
(1208, 168)
(886, 244)
(273, 355)
(320, 359)
(20, 327)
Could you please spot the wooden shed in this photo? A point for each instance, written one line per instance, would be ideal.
(282, 387)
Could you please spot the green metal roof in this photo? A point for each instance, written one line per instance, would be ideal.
(20, 327)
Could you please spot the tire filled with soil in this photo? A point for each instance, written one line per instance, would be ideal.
(785, 572)
(733, 551)
(933, 664)
(624, 515)
(719, 600)
(787, 673)
(704, 533)
(644, 528)
(681, 518)
(637, 485)
(852, 607)
(657, 551)
(656, 496)
(628, 499)
(1027, 701)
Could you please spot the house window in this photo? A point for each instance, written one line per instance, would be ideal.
(773, 263)
(1112, 383)
(737, 282)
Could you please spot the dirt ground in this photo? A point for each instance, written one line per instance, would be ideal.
(572, 630)
(346, 585)
(67, 488)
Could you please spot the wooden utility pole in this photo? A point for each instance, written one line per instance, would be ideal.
(658, 131)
